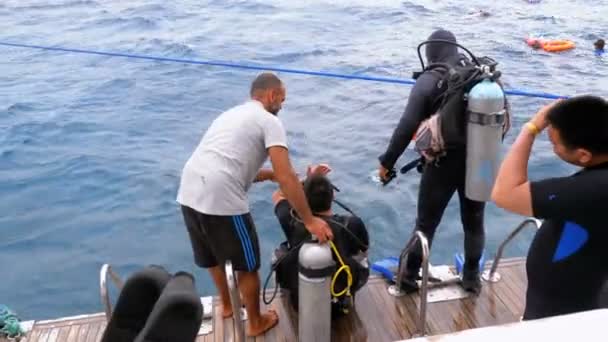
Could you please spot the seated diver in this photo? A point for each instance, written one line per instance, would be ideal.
(350, 237)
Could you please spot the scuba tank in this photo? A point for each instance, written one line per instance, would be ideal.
(473, 91)
(485, 120)
(316, 267)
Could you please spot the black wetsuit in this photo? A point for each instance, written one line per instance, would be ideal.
(439, 180)
(566, 264)
(350, 244)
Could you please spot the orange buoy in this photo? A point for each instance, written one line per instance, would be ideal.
(550, 45)
(558, 45)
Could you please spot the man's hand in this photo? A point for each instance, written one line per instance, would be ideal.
(319, 228)
(317, 169)
(383, 173)
(540, 118)
(264, 175)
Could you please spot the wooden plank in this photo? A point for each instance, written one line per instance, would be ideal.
(53, 335)
(92, 334)
(229, 332)
(512, 300)
(82, 332)
(264, 308)
(433, 319)
(377, 315)
(33, 335)
(63, 334)
(363, 303)
(460, 320)
(218, 324)
(516, 278)
(44, 335)
(287, 329)
(488, 310)
(453, 317)
(371, 316)
(73, 335)
(436, 314)
(82, 319)
(210, 337)
(102, 328)
(358, 332)
(398, 319)
(342, 329)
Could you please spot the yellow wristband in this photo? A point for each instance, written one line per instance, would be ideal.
(532, 128)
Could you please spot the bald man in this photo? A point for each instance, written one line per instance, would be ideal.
(213, 193)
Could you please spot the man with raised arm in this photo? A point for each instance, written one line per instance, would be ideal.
(566, 264)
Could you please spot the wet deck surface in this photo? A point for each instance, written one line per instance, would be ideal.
(377, 316)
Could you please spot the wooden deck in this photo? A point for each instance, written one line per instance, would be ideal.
(377, 316)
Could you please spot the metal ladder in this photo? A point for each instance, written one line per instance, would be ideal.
(489, 276)
(492, 276)
(235, 300)
(106, 270)
(395, 290)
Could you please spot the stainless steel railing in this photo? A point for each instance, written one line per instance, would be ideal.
(235, 299)
(395, 290)
(492, 276)
(106, 270)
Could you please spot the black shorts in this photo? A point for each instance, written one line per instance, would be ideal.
(216, 239)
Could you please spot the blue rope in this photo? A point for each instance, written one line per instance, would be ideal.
(515, 92)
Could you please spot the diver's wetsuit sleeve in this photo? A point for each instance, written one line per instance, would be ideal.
(357, 227)
(283, 213)
(419, 107)
(294, 233)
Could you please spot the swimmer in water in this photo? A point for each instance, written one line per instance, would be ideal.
(536, 44)
(480, 13)
(599, 47)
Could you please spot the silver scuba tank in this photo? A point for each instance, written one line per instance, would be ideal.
(486, 117)
(316, 267)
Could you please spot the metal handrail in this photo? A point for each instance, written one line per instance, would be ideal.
(235, 300)
(492, 276)
(395, 290)
(103, 287)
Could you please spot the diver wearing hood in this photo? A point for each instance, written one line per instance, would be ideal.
(439, 179)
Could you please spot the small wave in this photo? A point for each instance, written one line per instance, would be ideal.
(67, 4)
(157, 8)
(21, 107)
(290, 57)
(376, 70)
(385, 15)
(179, 49)
(165, 48)
(243, 5)
(591, 36)
(135, 23)
(7, 153)
(116, 84)
(545, 18)
(419, 9)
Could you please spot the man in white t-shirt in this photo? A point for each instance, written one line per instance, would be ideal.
(213, 193)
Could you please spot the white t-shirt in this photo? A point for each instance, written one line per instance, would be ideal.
(217, 176)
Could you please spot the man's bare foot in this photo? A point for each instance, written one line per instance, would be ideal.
(226, 311)
(267, 322)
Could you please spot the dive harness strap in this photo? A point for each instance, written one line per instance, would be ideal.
(493, 119)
